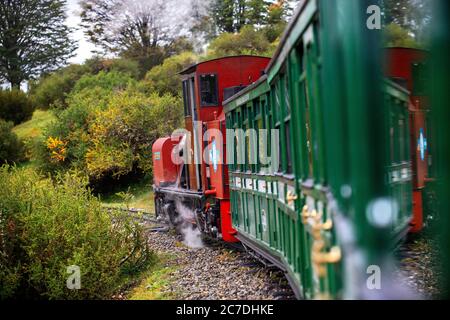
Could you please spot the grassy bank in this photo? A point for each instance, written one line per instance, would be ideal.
(33, 128)
(138, 195)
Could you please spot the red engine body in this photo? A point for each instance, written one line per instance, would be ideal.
(202, 182)
(165, 172)
(405, 66)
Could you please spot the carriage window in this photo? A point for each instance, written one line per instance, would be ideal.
(287, 121)
(277, 102)
(287, 102)
(256, 107)
(419, 73)
(308, 129)
(288, 147)
(208, 89)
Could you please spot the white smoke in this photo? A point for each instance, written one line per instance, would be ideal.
(192, 236)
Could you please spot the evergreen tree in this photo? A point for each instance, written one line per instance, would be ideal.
(34, 39)
(232, 15)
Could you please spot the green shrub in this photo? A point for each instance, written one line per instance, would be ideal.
(111, 81)
(47, 226)
(53, 89)
(15, 106)
(11, 149)
(122, 65)
(248, 41)
(165, 78)
(396, 36)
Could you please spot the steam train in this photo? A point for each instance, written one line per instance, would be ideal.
(316, 159)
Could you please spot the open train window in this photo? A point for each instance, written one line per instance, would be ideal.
(208, 90)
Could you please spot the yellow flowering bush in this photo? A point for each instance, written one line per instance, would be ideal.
(57, 148)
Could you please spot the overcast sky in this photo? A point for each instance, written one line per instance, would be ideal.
(73, 20)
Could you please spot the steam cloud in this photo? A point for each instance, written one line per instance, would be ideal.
(191, 234)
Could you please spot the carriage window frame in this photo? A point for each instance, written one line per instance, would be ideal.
(260, 124)
(247, 127)
(268, 115)
(288, 164)
(277, 117)
(237, 142)
(214, 102)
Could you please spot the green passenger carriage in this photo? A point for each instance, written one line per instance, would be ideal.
(336, 194)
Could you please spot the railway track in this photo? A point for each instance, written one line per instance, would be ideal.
(214, 270)
(209, 271)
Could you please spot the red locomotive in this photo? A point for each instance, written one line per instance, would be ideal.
(185, 185)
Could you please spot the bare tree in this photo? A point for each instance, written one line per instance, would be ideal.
(135, 28)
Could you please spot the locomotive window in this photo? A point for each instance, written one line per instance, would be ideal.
(208, 89)
(186, 98)
(191, 95)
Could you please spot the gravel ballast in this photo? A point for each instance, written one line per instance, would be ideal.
(216, 272)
